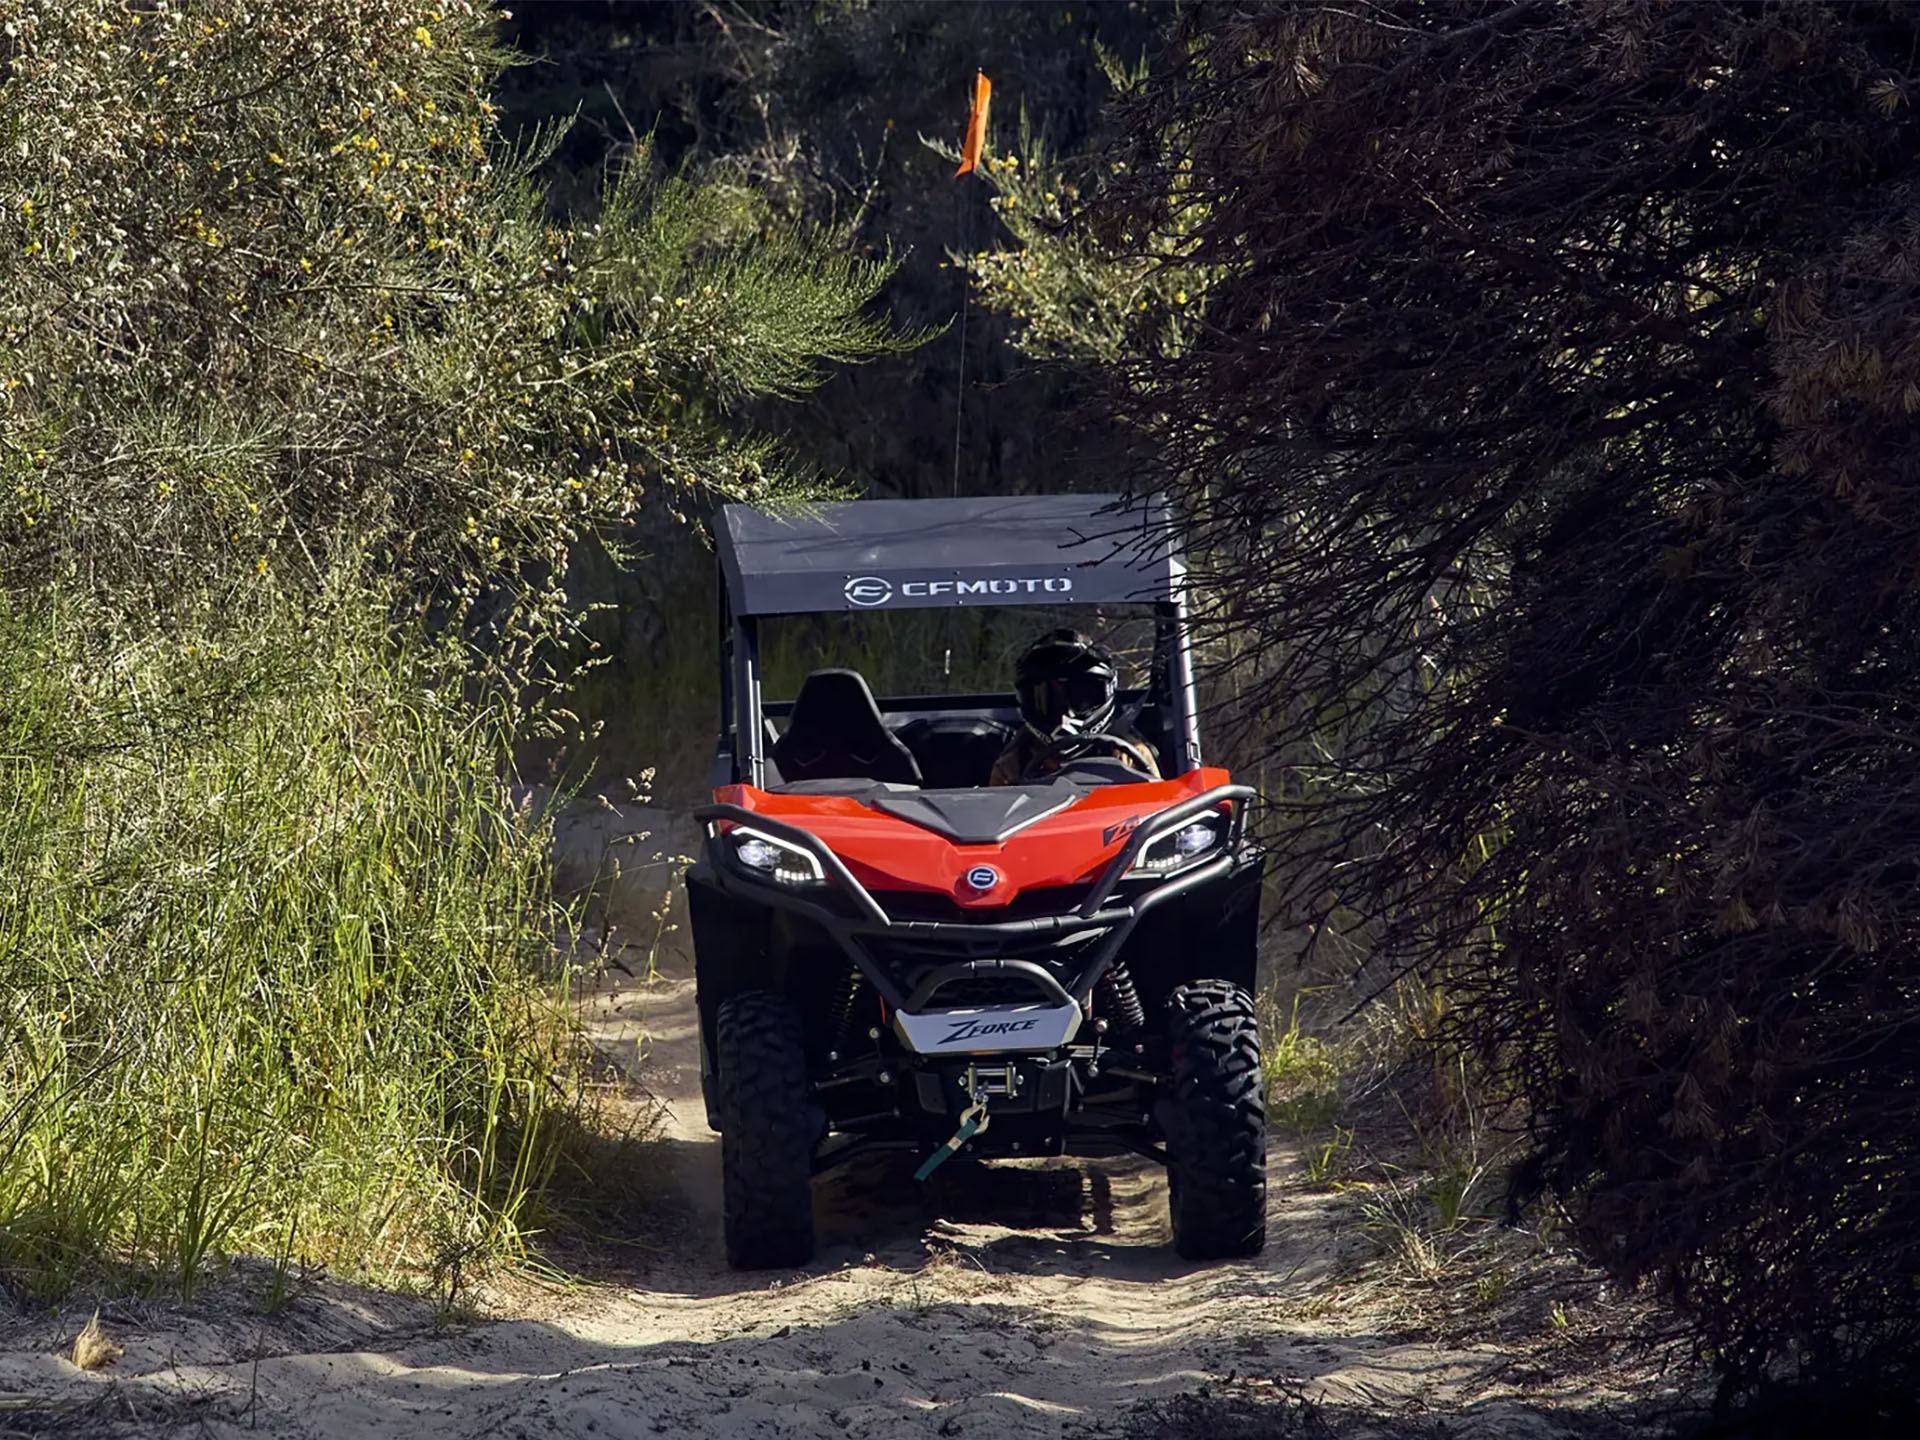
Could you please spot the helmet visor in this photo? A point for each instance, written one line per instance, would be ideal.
(1050, 703)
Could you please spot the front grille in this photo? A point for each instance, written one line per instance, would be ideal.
(921, 948)
(936, 906)
(990, 990)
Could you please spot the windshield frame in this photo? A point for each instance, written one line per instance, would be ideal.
(741, 754)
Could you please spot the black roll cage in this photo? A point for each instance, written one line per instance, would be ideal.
(882, 555)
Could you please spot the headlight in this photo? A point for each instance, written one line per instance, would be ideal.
(773, 859)
(1192, 842)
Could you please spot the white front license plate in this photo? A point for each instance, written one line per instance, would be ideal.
(980, 1029)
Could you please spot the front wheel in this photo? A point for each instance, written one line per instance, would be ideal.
(768, 1125)
(1216, 1123)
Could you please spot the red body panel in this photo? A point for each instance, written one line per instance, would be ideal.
(886, 853)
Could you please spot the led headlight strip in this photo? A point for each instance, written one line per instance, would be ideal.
(764, 855)
(1193, 842)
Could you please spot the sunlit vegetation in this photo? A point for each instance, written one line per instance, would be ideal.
(306, 402)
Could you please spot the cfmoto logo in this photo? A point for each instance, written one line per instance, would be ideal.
(867, 591)
(983, 877)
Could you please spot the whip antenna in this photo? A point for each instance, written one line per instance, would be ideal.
(969, 162)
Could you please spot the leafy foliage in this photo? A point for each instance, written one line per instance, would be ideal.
(824, 110)
(1080, 299)
(302, 393)
(831, 110)
(1551, 424)
(272, 281)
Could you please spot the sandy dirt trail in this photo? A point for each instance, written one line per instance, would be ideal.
(1015, 1300)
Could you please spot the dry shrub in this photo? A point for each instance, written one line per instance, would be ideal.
(1549, 425)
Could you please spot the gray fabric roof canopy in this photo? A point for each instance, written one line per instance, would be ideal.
(918, 554)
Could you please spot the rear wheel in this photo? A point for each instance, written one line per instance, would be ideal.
(1216, 1123)
(768, 1126)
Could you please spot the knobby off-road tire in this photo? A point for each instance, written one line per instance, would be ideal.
(1216, 1123)
(768, 1126)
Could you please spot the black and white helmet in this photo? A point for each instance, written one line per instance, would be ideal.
(1066, 684)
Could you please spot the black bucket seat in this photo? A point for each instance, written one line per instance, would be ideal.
(835, 732)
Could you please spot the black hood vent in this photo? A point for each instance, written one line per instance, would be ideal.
(979, 817)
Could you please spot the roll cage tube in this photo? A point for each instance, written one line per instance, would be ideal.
(1177, 669)
(749, 728)
(729, 748)
(1097, 912)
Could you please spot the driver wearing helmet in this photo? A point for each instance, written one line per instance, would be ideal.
(1067, 686)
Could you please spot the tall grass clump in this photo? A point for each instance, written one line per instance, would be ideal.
(307, 402)
(275, 948)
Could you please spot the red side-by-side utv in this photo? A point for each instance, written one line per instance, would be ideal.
(894, 954)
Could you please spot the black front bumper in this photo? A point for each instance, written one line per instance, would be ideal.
(1096, 1094)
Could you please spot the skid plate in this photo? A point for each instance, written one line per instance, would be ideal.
(984, 1029)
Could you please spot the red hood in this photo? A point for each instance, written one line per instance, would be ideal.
(1069, 847)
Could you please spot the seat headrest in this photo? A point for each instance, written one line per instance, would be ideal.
(835, 732)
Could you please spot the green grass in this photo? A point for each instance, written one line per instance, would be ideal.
(1302, 1074)
(276, 960)
(1302, 1071)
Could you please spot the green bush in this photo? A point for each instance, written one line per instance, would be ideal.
(305, 404)
(272, 287)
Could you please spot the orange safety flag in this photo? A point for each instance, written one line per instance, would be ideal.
(976, 124)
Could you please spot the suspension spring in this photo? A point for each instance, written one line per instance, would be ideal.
(850, 1020)
(1119, 1000)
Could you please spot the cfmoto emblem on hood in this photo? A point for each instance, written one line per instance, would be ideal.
(868, 590)
(983, 877)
